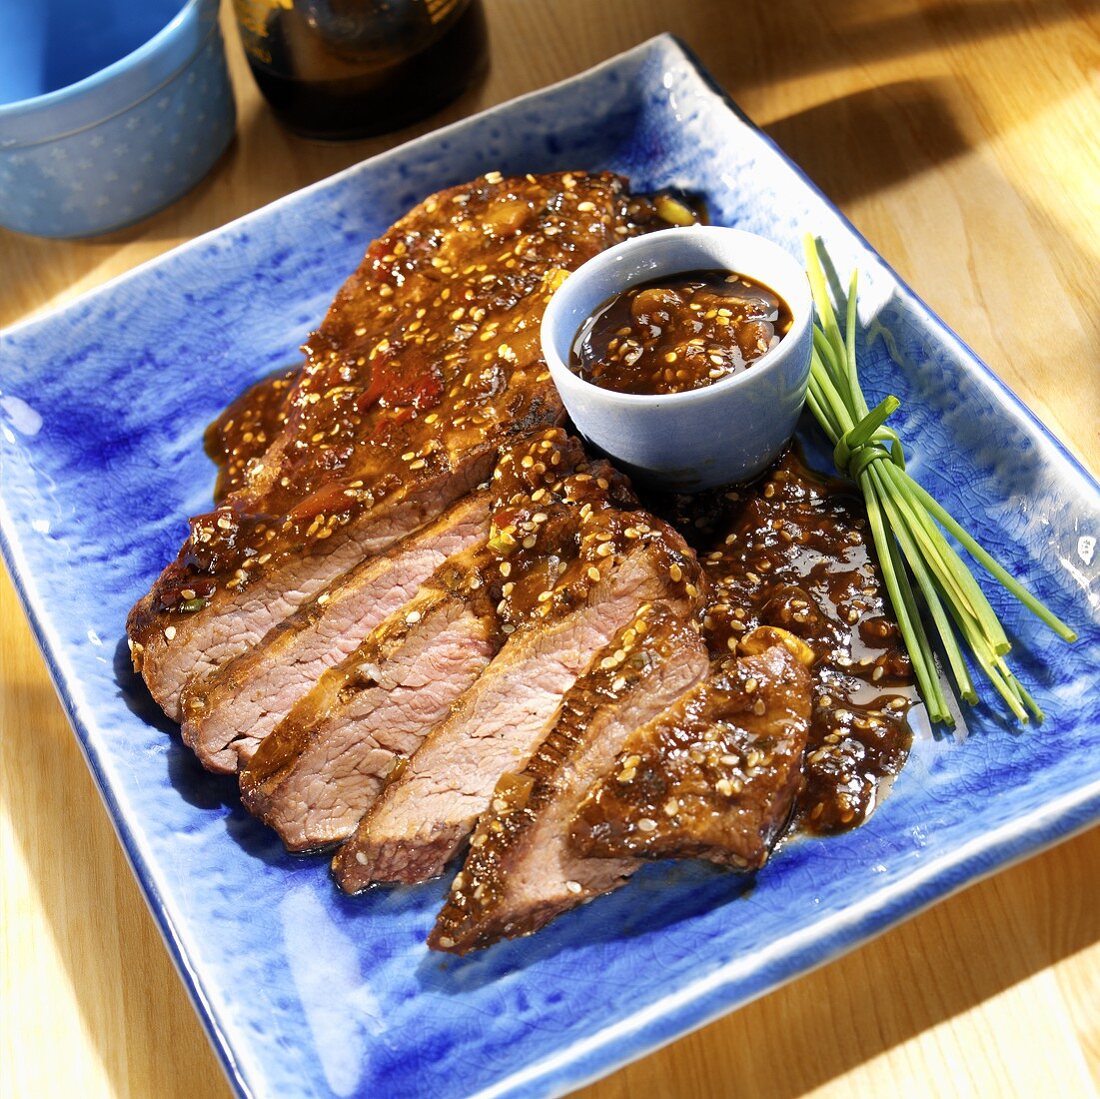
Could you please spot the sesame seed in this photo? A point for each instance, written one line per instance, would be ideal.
(647, 824)
(412, 618)
(169, 632)
(573, 886)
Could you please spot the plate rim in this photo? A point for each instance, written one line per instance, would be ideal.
(568, 1068)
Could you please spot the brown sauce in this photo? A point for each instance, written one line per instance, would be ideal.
(247, 427)
(792, 550)
(678, 333)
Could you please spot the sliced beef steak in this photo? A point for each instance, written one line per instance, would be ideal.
(521, 871)
(326, 762)
(324, 765)
(427, 361)
(713, 778)
(170, 649)
(227, 714)
(578, 586)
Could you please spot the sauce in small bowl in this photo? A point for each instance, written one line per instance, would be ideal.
(681, 332)
(700, 430)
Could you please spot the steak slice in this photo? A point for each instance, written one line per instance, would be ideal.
(628, 559)
(227, 714)
(324, 765)
(521, 871)
(713, 778)
(427, 361)
(170, 649)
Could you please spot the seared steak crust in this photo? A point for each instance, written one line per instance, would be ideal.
(427, 361)
(715, 777)
(521, 871)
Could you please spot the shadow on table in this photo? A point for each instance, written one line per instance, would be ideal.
(861, 144)
(805, 36)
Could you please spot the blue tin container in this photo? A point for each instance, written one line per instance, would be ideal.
(109, 110)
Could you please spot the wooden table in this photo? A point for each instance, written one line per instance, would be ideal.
(961, 139)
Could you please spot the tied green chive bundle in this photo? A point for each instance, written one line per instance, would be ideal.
(903, 519)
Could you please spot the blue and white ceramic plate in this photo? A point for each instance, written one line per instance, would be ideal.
(305, 991)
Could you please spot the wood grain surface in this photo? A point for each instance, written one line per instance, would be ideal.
(960, 137)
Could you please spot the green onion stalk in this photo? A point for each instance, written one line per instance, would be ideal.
(908, 526)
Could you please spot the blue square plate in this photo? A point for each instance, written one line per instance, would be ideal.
(305, 991)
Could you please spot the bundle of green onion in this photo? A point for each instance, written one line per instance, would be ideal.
(903, 519)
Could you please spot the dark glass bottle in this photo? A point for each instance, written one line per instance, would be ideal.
(341, 69)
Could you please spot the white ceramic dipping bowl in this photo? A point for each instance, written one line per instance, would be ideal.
(686, 442)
